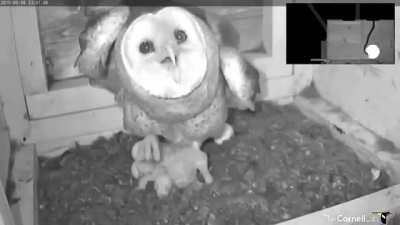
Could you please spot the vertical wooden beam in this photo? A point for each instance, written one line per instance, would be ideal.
(25, 174)
(276, 77)
(6, 217)
(29, 50)
(10, 82)
(273, 64)
(279, 41)
(267, 30)
(4, 147)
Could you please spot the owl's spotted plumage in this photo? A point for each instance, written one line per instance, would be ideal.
(173, 76)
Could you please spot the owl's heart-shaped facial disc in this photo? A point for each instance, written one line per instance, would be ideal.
(165, 52)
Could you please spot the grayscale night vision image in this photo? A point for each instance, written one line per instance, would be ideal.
(199, 112)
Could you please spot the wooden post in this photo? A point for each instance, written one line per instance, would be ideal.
(4, 146)
(276, 77)
(25, 174)
(10, 81)
(29, 51)
(6, 217)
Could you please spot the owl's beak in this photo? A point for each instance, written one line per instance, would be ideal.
(171, 54)
(169, 57)
(171, 60)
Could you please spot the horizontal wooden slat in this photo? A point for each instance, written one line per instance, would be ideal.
(268, 65)
(70, 83)
(76, 124)
(63, 101)
(56, 147)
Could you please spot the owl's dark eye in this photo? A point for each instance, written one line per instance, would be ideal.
(146, 47)
(180, 36)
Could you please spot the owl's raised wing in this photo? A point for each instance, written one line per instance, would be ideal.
(96, 42)
(241, 77)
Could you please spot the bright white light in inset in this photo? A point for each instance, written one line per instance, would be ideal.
(372, 51)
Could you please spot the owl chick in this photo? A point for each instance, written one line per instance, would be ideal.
(178, 167)
(174, 78)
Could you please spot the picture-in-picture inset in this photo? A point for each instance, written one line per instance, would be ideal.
(340, 33)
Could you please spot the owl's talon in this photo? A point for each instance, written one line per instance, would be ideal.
(143, 182)
(208, 179)
(226, 134)
(202, 167)
(146, 149)
(134, 171)
(142, 168)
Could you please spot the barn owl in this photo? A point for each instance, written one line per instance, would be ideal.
(174, 77)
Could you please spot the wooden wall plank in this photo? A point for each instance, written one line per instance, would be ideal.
(68, 100)
(277, 66)
(59, 28)
(56, 147)
(29, 51)
(76, 124)
(11, 90)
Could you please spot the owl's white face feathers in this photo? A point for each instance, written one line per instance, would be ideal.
(165, 52)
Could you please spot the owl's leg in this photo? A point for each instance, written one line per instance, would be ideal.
(202, 165)
(147, 149)
(226, 134)
(203, 169)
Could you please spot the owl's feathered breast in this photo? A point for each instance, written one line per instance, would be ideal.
(205, 124)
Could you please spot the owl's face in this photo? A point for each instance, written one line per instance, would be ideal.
(164, 53)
